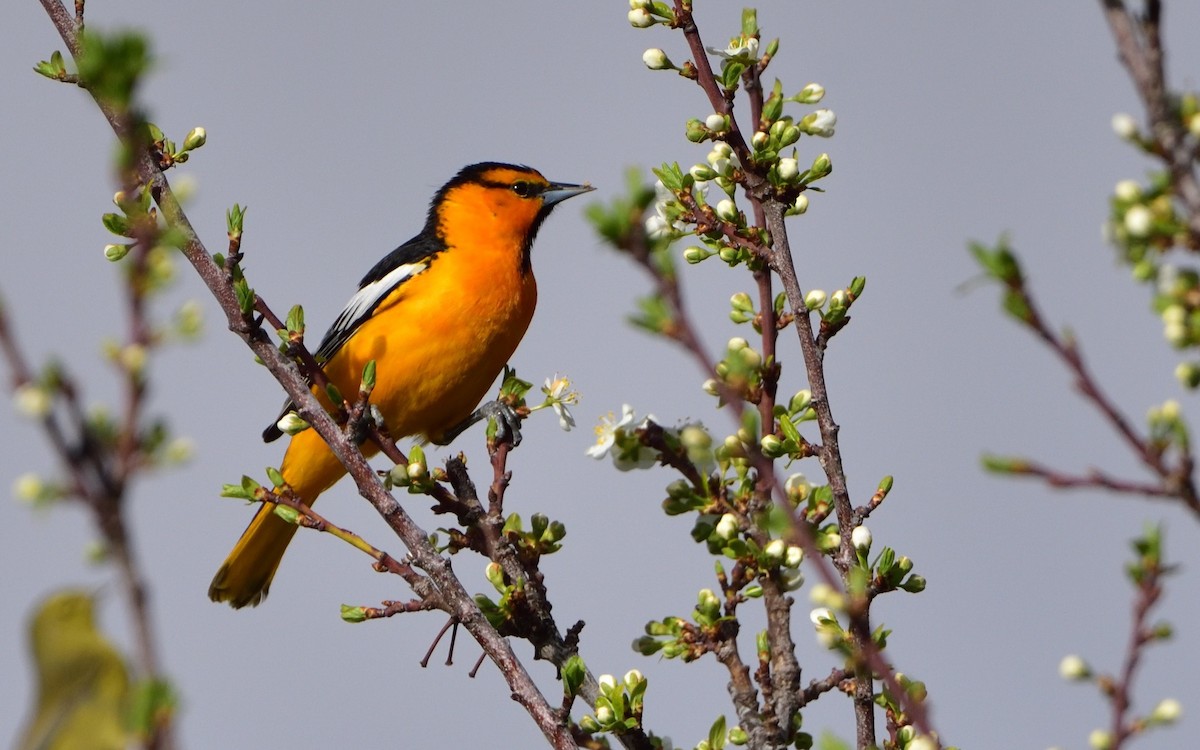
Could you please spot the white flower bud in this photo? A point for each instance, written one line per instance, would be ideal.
(1074, 668)
(736, 344)
(837, 299)
(639, 18)
(1124, 126)
(28, 487)
(710, 387)
(291, 423)
(759, 140)
(1138, 221)
(861, 538)
(820, 615)
(727, 527)
(815, 299)
(1128, 190)
(605, 715)
(801, 204)
(715, 122)
(788, 168)
(607, 683)
(1100, 739)
(797, 488)
(811, 94)
(727, 210)
(775, 550)
(1167, 711)
(32, 401)
(656, 59)
(793, 557)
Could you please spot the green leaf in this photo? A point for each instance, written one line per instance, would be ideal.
(573, 672)
(116, 223)
(749, 22)
(716, 734)
(353, 614)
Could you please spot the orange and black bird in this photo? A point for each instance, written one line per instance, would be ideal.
(440, 316)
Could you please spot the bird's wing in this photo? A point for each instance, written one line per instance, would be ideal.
(394, 269)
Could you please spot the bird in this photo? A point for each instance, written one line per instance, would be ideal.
(83, 691)
(440, 315)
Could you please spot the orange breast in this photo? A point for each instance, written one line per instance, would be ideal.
(441, 338)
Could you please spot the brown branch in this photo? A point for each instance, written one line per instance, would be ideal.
(1176, 481)
(1141, 634)
(1139, 45)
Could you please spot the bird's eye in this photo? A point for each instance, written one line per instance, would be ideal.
(523, 188)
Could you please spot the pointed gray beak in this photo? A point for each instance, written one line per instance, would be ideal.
(558, 192)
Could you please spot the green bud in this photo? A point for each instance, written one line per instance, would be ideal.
(289, 514)
(195, 138)
(116, 252)
(353, 614)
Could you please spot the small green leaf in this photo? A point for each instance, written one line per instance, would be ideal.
(353, 614)
(573, 672)
(716, 734)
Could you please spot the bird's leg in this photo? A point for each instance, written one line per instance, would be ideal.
(508, 423)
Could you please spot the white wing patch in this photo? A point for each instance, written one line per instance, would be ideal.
(366, 298)
(363, 302)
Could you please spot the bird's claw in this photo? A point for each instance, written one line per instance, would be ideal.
(508, 423)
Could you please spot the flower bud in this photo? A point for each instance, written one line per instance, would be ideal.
(815, 299)
(788, 169)
(775, 551)
(772, 446)
(694, 255)
(801, 204)
(1128, 190)
(821, 167)
(727, 527)
(1167, 711)
(736, 344)
(1100, 739)
(640, 18)
(811, 94)
(1138, 221)
(716, 122)
(1124, 126)
(727, 210)
(116, 252)
(605, 715)
(702, 173)
(1074, 668)
(861, 538)
(656, 59)
(793, 557)
(797, 488)
(710, 387)
(759, 140)
(195, 138)
(837, 300)
(28, 488)
(1188, 374)
(819, 123)
(33, 401)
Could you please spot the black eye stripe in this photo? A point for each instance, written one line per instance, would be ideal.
(523, 188)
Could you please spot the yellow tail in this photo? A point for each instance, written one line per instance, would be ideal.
(309, 468)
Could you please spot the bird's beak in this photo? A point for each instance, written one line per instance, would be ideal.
(557, 192)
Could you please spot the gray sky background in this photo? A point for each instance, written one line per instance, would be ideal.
(335, 124)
